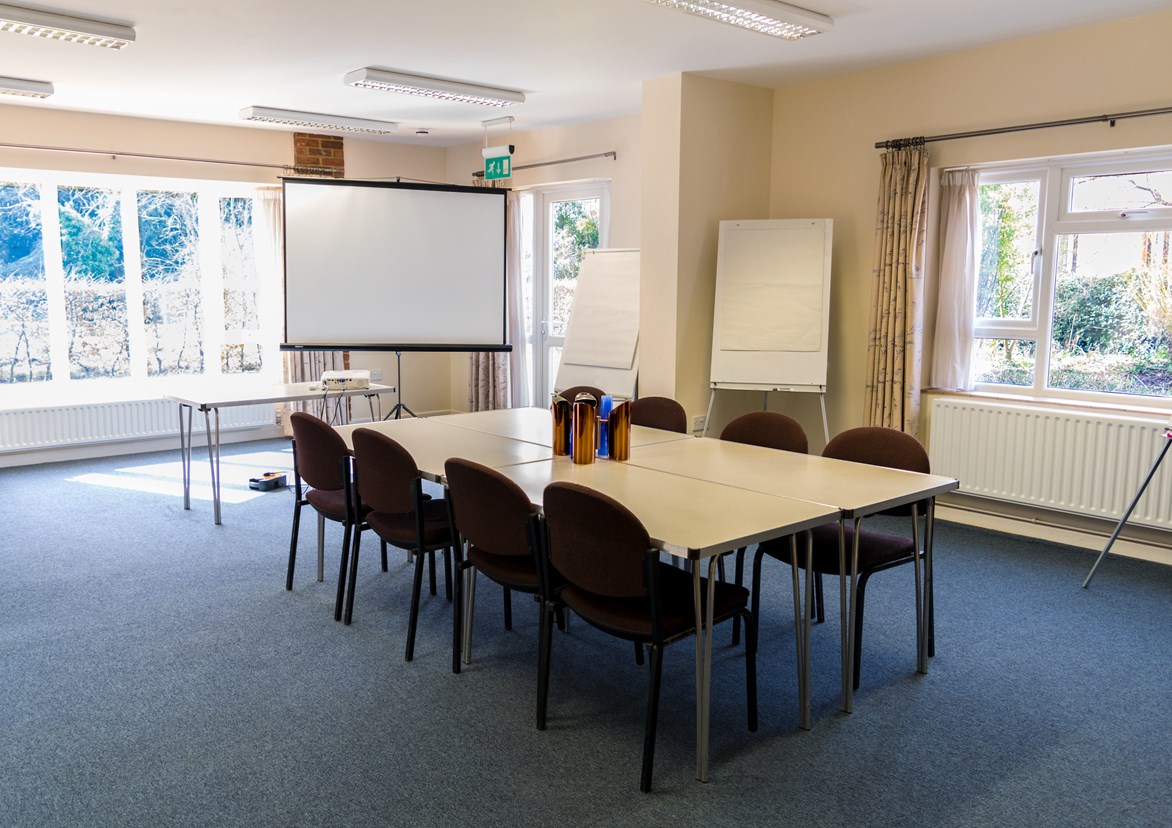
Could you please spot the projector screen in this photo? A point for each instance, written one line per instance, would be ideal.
(378, 266)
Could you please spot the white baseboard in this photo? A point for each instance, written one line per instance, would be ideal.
(1043, 531)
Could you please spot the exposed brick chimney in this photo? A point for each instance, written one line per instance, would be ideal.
(319, 155)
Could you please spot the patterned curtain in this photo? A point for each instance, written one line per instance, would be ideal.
(896, 330)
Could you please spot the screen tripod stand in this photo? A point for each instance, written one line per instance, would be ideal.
(1134, 501)
(396, 413)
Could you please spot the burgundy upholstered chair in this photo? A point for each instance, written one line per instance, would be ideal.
(321, 474)
(878, 551)
(600, 563)
(770, 429)
(659, 412)
(388, 483)
(493, 516)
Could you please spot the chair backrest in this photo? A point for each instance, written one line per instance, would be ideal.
(770, 429)
(879, 446)
(595, 543)
(385, 472)
(659, 412)
(491, 511)
(574, 390)
(320, 452)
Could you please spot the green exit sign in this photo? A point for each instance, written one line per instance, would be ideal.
(495, 168)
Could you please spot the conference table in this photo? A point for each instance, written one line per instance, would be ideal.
(210, 396)
(698, 498)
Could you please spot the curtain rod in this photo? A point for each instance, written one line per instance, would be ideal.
(608, 154)
(898, 143)
(115, 154)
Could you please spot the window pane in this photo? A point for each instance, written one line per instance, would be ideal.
(95, 282)
(1005, 361)
(168, 229)
(574, 229)
(1009, 227)
(1126, 191)
(1113, 314)
(241, 351)
(24, 301)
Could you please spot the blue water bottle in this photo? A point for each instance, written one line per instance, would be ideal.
(604, 408)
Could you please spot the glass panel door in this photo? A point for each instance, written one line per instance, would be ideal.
(567, 220)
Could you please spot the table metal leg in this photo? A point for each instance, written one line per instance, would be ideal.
(214, 455)
(185, 453)
(848, 609)
(703, 660)
(928, 644)
(802, 626)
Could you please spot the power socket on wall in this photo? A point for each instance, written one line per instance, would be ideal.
(698, 423)
(376, 375)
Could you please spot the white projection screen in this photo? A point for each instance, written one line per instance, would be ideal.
(381, 266)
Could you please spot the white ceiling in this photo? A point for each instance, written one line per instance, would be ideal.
(205, 60)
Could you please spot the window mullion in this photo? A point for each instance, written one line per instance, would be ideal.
(1046, 275)
(132, 262)
(54, 284)
(211, 283)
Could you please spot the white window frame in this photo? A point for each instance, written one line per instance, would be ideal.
(1056, 219)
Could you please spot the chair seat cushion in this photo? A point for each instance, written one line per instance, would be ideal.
(330, 502)
(513, 571)
(399, 529)
(631, 617)
(876, 549)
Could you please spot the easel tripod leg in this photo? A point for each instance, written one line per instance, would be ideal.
(1130, 509)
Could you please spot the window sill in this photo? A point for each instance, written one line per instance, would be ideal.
(1154, 412)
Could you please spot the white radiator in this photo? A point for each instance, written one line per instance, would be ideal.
(56, 426)
(1086, 462)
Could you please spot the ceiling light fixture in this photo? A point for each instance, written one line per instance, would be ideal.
(429, 87)
(315, 120)
(25, 88)
(45, 24)
(769, 17)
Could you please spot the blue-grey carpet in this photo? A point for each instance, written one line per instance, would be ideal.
(155, 672)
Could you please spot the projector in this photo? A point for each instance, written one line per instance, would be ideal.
(345, 380)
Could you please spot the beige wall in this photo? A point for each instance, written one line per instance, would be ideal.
(30, 125)
(824, 163)
(707, 158)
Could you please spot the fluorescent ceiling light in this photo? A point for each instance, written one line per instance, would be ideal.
(766, 16)
(64, 27)
(429, 87)
(313, 119)
(25, 88)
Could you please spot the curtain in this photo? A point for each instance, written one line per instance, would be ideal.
(896, 329)
(497, 380)
(960, 227)
(298, 366)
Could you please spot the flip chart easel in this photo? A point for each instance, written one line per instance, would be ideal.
(772, 310)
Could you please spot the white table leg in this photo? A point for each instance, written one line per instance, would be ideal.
(185, 453)
(214, 456)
